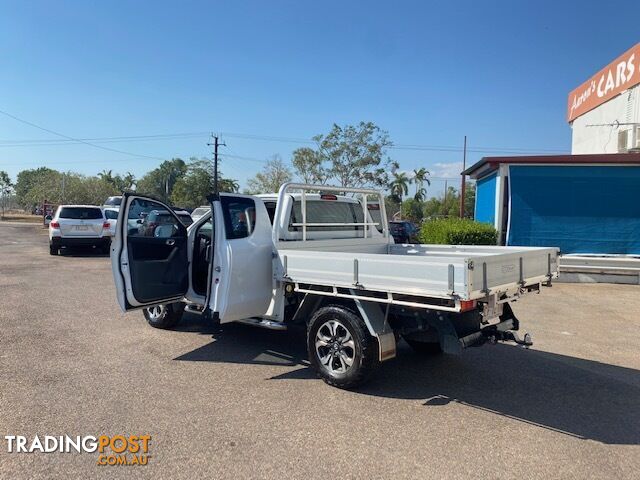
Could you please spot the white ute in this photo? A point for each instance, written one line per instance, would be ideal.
(318, 259)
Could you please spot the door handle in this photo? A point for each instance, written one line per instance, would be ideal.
(170, 242)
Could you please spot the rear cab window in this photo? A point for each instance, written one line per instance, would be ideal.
(81, 213)
(327, 211)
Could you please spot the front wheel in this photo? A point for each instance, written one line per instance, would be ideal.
(164, 316)
(341, 349)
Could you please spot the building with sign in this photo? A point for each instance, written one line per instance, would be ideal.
(586, 203)
(604, 112)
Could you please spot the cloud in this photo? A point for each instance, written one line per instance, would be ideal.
(446, 170)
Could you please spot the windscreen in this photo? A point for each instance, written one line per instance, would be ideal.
(80, 213)
(198, 212)
(115, 201)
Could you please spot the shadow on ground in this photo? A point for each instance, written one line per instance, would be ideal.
(577, 397)
(82, 251)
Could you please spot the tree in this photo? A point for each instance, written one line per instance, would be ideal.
(33, 186)
(159, 183)
(118, 182)
(128, 181)
(356, 154)
(274, 174)
(399, 186)
(351, 155)
(228, 185)
(391, 205)
(470, 200)
(308, 165)
(443, 205)
(6, 187)
(412, 210)
(420, 177)
(191, 189)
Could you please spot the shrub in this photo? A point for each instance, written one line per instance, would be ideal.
(458, 231)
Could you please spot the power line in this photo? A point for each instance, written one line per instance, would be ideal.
(245, 136)
(53, 132)
(128, 139)
(417, 147)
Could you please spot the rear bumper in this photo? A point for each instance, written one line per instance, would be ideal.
(80, 241)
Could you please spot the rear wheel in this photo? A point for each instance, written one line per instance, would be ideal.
(53, 250)
(341, 349)
(164, 316)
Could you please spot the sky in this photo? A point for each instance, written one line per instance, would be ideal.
(269, 75)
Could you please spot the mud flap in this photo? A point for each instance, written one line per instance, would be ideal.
(375, 317)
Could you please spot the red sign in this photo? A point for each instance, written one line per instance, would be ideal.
(620, 75)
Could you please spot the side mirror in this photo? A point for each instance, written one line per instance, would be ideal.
(139, 221)
(48, 217)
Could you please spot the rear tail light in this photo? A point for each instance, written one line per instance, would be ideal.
(106, 225)
(466, 305)
(54, 225)
(328, 196)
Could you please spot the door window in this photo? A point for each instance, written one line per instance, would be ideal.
(147, 218)
(239, 216)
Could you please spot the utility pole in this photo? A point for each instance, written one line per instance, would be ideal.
(463, 187)
(215, 145)
(444, 205)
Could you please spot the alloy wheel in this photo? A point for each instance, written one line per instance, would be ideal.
(335, 347)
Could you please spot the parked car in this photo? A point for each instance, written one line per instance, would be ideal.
(200, 212)
(74, 225)
(111, 215)
(114, 202)
(157, 218)
(321, 265)
(403, 232)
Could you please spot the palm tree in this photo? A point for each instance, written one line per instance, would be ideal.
(399, 186)
(228, 185)
(420, 177)
(129, 181)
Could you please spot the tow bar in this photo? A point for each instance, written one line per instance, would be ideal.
(509, 336)
(504, 331)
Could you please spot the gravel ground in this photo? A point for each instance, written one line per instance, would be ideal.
(242, 402)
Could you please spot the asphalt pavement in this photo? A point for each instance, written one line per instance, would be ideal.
(242, 402)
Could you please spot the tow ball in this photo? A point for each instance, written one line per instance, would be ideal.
(510, 336)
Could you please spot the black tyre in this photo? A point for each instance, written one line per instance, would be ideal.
(341, 349)
(424, 348)
(53, 250)
(164, 316)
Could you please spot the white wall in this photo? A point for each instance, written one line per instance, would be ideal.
(625, 108)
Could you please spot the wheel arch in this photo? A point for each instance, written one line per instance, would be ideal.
(373, 314)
